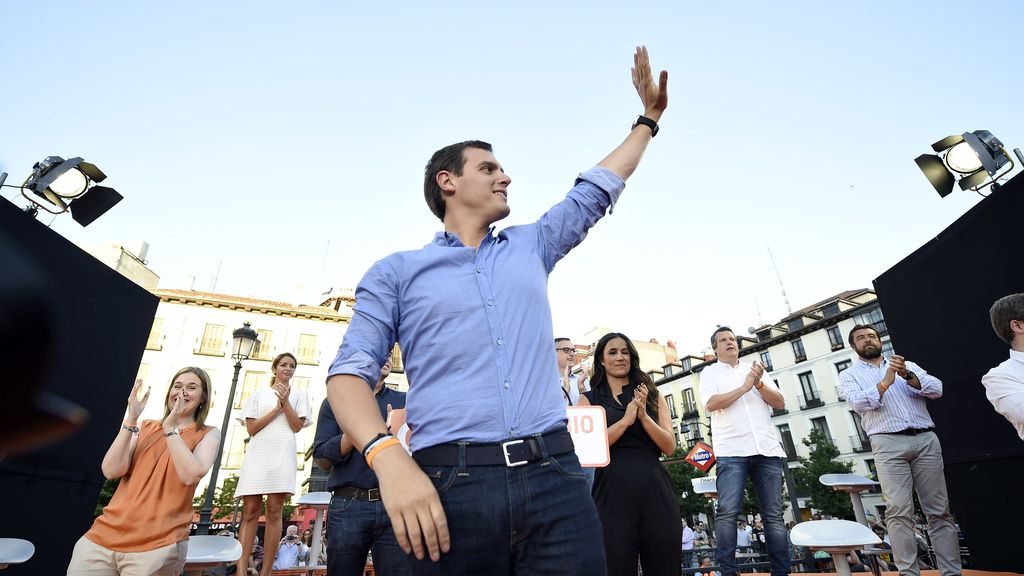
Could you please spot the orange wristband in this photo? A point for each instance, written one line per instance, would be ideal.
(376, 450)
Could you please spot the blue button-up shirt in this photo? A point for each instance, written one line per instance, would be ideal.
(350, 469)
(474, 324)
(902, 406)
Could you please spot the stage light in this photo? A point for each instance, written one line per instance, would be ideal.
(63, 185)
(973, 159)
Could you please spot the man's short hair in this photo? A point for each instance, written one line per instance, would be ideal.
(557, 340)
(451, 159)
(714, 334)
(849, 338)
(1003, 311)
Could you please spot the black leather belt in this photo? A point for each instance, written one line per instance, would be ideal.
(912, 431)
(509, 453)
(372, 495)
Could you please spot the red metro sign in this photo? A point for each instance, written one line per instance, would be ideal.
(702, 457)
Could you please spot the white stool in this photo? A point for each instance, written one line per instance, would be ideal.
(206, 552)
(853, 485)
(837, 537)
(707, 486)
(319, 501)
(15, 551)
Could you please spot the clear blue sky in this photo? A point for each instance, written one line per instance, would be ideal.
(252, 134)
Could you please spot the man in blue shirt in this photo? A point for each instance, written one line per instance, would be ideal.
(356, 520)
(494, 486)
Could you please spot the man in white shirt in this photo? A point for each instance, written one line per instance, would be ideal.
(740, 397)
(688, 537)
(572, 385)
(1004, 384)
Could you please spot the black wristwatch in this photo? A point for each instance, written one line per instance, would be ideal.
(647, 122)
(910, 376)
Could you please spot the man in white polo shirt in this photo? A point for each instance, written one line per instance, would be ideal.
(740, 397)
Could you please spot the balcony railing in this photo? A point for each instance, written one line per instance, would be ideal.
(860, 443)
(801, 357)
(840, 394)
(689, 410)
(808, 402)
(209, 347)
(779, 411)
(791, 454)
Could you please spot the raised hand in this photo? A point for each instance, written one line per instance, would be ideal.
(654, 96)
(135, 405)
(898, 364)
(282, 390)
(174, 416)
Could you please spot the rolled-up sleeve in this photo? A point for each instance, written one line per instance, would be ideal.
(566, 224)
(371, 334)
(931, 387)
(861, 400)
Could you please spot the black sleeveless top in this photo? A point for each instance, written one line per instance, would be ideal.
(634, 443)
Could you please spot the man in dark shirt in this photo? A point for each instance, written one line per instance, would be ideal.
(357, 521)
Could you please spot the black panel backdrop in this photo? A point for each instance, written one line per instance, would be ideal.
(101, 321)
(936, 305)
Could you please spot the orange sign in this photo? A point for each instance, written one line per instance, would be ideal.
(702, 457)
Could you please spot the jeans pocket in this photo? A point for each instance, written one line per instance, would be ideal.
(567, 465)
(442, 477)
(339, 504)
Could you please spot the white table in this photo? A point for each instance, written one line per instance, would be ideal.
(853, 485)
(319, 501)
(15, 551)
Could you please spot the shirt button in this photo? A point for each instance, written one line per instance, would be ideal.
(506, 385)
(479, 270)
(490, 302)
(499, 341)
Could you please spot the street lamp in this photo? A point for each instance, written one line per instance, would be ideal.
(244, 340)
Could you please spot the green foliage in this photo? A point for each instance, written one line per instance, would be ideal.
(822, 460)
(224, 503)
(106, 493)
(681, 473)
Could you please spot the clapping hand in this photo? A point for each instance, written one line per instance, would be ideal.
(754, 376)
(898, 365)
(640, 401)
(135, 405)
(174, 416)
(282, 390)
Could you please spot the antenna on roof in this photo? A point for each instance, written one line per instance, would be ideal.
(213, 284)
(785, 298)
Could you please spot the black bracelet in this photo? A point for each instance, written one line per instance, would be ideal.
(372, 440)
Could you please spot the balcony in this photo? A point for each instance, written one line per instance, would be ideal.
(791, 454)
(808, 402)
(689, 410)
(860, 443)
(800, 357)
(840, 394)
(209, 347)
(779, 411)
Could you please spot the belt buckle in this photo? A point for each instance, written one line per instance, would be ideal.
(373, 494)
(504, 450)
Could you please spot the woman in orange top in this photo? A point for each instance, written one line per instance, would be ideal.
(144, 528)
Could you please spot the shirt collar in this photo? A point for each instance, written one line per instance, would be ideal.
(865, 362)
(1018, 356)
(451, 240)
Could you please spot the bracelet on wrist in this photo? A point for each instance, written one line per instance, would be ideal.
(132, 429)
(378, 447)
(171, 433)
(373, 441)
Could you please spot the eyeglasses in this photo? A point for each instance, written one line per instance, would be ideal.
(567, 350)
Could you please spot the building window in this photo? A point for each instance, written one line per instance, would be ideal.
(872, 471)
(671, 405)
(249, 385)
(396, 359)
(668, 370)
(810, 398)
(860, 441)
(156, 335)
(887, 349)
(307, 352)
(798, 350)
(835, 337)
(264, 348)
(143, 372)
(212, 343)
(830, 310)
(687, 363)
(689, 404)
(840, 366)
(764, 335)
(766, 359)
(795, 323)
(821, 425)
(787, 442)
(236, 447)
(874, 319)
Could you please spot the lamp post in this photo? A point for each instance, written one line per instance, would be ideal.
(244, 340)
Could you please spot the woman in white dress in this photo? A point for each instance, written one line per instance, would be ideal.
(272, 417)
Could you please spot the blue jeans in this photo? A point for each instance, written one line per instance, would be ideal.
(538, 518)
(353, 528)
(766, 474)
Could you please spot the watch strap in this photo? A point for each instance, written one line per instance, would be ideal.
(647, 122)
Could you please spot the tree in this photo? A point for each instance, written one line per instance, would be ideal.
(224, 502)
(822, 460)
(106, 493)
(682, 472)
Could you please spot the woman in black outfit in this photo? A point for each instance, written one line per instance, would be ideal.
(634, 494)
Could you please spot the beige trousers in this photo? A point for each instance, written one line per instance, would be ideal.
(91, 559)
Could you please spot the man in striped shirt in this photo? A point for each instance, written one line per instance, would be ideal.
(890, 395)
